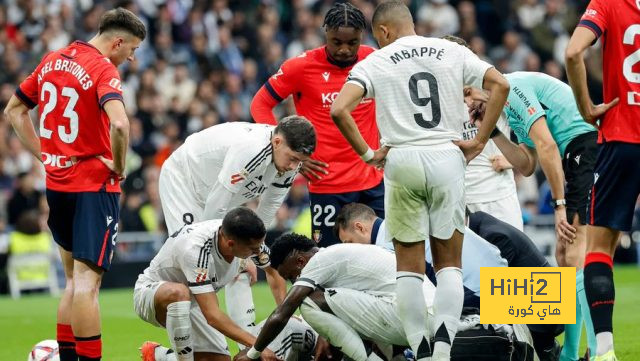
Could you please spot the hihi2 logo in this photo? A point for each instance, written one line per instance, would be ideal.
(527, 295)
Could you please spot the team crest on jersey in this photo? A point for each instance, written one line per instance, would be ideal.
(317, 235)
(325, 76)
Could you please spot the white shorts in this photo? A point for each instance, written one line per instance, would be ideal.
(179, 205)
(205, 338)
(372, 316)
(424, 192)
(506, 209)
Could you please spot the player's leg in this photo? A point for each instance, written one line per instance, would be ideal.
(61, 213)
(324, 208)
(506, 209)
(406, 212)
(374, 198)
(239, 300)
(208, 343)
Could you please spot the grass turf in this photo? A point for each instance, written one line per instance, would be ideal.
(31, 319)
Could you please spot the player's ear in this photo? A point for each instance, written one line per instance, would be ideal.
(359, 226)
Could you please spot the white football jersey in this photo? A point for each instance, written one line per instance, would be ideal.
(417, 83)
(482, 183)
(238, 156)
(192, 258)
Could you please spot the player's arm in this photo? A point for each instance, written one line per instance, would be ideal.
(210, 308)
(277, 284)
(276, 322)
(218, 199)
(119, 133)
(520, 156)
(18, 114)
(498, 87)
(278, 87)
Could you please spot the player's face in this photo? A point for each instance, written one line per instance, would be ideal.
(284, 158)
(357, 233)
(124, 47)
(292, 266)
(244, 249)
(343, 43)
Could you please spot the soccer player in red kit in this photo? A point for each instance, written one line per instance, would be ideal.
(337, 175)
(617, 170)
(83, 136)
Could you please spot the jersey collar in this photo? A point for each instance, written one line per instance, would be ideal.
(339, 64)
(375, 229)
(80, 42)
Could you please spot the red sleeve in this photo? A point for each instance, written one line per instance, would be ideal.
(595, 17)
(109, 85)
(27, 92)
(262, 107)
(284, 82)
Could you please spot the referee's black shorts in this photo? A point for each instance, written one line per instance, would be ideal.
(578, 164)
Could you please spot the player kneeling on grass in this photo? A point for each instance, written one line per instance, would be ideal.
(193, 265)
(346, 292)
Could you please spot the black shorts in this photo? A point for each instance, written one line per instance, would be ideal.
(617, 185)
(85, 224)
(325, 208)
(578, 164)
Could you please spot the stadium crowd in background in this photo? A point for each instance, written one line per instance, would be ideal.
(205, 59)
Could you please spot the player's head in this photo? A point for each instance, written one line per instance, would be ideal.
(294, 140)
(354, 223)
(344, 24)
(121, 32)
(290, 253)
(390, 21)
(242, 233)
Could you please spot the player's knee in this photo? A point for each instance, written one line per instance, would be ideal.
(85, 288)
(177, 292)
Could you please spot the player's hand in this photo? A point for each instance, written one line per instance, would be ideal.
(252, 271)
(470, 148)
(379, 157)
(112, 167)
(500, 163)
(564, 230)
(312, 169)
(596, 112)
(323, 350)
(268, 355)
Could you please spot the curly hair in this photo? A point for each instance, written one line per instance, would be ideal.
(287, 243)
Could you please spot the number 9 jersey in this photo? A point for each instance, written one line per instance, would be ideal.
(618, 22)
(70, 87)
(417, 83)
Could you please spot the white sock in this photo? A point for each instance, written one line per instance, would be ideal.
(179, 330)
(335, 331)
(240, 305)
(605, 342)
(447, 307)
(412, 309)
(164, 354)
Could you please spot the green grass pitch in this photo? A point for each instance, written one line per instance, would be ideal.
(26, 321)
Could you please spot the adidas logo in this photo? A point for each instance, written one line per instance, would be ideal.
(185, 351)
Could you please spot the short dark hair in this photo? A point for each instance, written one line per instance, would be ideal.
(299, 134)
(345, 15)
(457, 40)
(350, 213)
(243, 225)
(390, 9)
(287, 243)
(121, 19)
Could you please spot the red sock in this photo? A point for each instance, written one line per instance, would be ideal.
(66, 343)
(89, 348)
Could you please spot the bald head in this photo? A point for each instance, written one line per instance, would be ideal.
(391, 20)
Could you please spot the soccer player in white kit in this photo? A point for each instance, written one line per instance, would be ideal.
(346, 292)
(417, 83)
(178, 289)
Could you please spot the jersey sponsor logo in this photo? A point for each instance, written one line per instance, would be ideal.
(56, 161)
(325, 76)
(238, 177)
(522, 97)
(254, 188)
(328, 98)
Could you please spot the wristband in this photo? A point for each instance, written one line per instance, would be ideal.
(494, 133)
(253, 353)
(368, 155)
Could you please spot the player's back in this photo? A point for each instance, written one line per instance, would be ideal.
(70, 86)
(618, 24)
(417, 83)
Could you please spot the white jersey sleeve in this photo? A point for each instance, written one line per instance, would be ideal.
(193, 255)
(360, 77)
(240, 161)
(473, 68)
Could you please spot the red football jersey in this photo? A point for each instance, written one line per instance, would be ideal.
(70, 87)
(315, 83)
(617, 21)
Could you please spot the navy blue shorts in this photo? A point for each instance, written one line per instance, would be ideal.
(85, 224)
(617, 184)
(325, 207)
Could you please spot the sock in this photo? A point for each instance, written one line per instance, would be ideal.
(240, 302)
(162, 353)
(572, 332)
(337, 332)
(179, 329)
(586, 314)
(412, 311)
(600, 292)
(447, 307)
(89, 348)
(66, 343)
